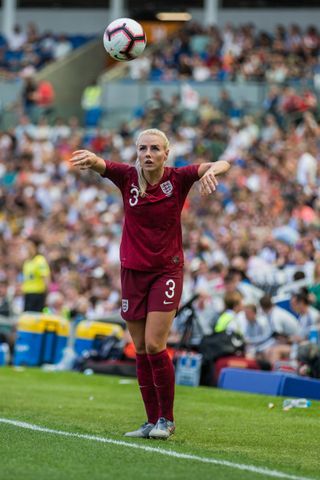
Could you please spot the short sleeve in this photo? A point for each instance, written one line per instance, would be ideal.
(117, 172)
(187, 176)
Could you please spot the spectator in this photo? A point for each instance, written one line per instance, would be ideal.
(314, 289)
(139, 68)
(155, 107)
(256, 332)
(45, 96)
(61, 48)
(225, 103)
(281, 323)
(91, 104)
(55, 305)
(29, 98)
(36, 277)
(229, 320)
(307, 316)
(5, 308)
(17, 38)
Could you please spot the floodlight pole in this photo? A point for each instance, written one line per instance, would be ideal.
(116, 9)
(9, 9)
(210, 12)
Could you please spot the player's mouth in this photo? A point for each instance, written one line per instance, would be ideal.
(148, 162)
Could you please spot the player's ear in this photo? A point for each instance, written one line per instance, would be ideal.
(166, 153)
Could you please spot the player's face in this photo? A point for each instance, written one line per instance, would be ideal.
(152, 153)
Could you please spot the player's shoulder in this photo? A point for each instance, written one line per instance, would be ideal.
(120, 172)
(185, 171)
(112, 165)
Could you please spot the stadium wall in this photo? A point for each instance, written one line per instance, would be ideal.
(70, 76)
(90, 21)
(122, 98)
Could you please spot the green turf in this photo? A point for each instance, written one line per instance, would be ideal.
(212, 423)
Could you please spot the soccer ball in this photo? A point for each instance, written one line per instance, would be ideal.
(124, 39)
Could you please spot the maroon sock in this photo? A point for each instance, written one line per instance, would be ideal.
(147, 388)
(163, 378)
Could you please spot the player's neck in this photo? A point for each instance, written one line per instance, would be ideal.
(153, 177)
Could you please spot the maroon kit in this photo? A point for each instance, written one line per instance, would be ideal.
(151, 253)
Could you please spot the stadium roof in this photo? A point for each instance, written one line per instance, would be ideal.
(156, 5)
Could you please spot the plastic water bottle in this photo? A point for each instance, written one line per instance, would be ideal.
(296, 403)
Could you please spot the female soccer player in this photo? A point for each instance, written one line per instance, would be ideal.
(152, 261)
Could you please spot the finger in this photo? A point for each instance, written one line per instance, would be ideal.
(205, 191)
(77, 164)
(76, 152)
(209, 185)
(77, 158)
(213, 179)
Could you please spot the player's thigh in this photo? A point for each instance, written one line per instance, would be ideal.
(137, 331)
(165, 292)
(157, 329)
(134, 287)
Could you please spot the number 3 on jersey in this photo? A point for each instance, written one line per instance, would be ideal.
(133, 200)
(171, 284)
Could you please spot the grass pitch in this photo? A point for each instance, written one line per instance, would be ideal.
(211, 424)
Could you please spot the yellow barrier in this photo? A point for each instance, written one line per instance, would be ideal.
(43, 322)
(89, 330)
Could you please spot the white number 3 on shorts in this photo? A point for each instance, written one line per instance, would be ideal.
(171, 284)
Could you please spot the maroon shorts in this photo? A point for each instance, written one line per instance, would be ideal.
(144, 292)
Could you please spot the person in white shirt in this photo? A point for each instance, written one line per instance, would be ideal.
(256, 331)
(17, 38)
(307, 166)
(62, 47)
(281, 322)
(307, 315)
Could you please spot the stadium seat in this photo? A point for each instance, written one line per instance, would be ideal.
(79, 40)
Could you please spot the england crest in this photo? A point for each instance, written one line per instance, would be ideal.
(125, 305)
(167, 188)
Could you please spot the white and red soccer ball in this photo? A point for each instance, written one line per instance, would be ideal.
(124, 39)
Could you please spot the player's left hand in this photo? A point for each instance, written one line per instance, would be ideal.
(84, 159)
(208, 183)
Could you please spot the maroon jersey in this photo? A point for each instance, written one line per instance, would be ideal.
(151, 236)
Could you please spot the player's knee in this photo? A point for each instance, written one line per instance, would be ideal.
(153, 347)
(140, 347)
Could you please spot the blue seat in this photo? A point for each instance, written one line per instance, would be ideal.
(13, 55)
(79, 40)
(269, 383)
(3, 41)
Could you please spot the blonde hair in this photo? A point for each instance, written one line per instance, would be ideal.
(141, 180)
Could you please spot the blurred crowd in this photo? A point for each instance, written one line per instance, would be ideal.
(235, 53)
(263, 220)
(259, 234)
(27, 49)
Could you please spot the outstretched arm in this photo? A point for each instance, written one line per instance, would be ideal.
(207, 174)
(84, 159)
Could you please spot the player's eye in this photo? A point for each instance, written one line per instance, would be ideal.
(155, 147)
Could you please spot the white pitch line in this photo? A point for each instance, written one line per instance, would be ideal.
(162, 451)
